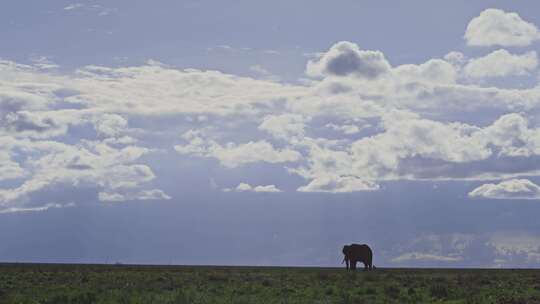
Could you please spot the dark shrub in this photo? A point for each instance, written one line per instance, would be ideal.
(439, 291)
(329, 291)
(391, 291)
(85, 298)
(323, 276)
(371, 291)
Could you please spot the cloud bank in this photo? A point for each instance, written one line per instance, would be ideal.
(357, 122)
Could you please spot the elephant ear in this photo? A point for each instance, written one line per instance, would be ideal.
(345, 249)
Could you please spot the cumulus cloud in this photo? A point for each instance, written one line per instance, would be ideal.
(233, 155)
(512, 134)
(455, 58)
(501, 63)
(10, 168)
(345, 58)
(32, 124)
(93, 126)
(153, 194)
(109, 125)
(497, 27)
(244, 187)
(158, 89)
(433, 88)
(91, 165)
(39, 153)
(338, 184)
(509, 189)
(434, 70)
(410, 147)
(285, 126)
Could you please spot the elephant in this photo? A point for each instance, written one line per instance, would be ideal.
(358, 253)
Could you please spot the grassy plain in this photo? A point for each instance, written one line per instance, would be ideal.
(58, 284)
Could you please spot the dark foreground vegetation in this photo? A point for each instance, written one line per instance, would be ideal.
(58, 284)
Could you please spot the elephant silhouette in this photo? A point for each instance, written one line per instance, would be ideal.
(355, 253)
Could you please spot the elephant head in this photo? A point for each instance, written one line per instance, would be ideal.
(346, 255)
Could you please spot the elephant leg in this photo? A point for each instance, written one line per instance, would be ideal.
(365, 266)
(347, 264)
(354, 264)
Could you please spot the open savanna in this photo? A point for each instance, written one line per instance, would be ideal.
(69, 283)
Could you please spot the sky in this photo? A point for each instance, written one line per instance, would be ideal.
(270, 133)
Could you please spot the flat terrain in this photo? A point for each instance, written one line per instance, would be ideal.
(57, 284)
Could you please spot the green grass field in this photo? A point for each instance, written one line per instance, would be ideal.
(57, 284)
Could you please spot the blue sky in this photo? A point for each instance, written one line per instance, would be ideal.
(251, 133)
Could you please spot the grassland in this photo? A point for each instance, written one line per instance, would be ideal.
(58, 284)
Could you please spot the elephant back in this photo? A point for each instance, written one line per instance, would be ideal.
(362, 252)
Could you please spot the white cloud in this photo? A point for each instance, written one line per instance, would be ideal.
(156, 89)
(34, 209)
(110, 125)
(455, 58)
(501, 63)
(410, 147)
(91, 127)
(338, 184)
(509, 189)
(267, 188)
(96, 8)
(497, 27)
(433, 88)
(257, 68)
(511, 133)
(244, 187)
(345, 58)
(425, 257)
(285, 126)
(233, 155)
(10, 169)
(73, 6)
(153, 194)
(346, 129)
(262, 71)
(434, 70)
(406, 137)
(33, 124)
(89, 164)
